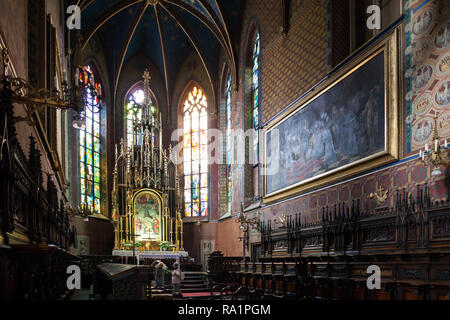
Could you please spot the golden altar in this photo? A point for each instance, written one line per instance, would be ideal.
(146, 197)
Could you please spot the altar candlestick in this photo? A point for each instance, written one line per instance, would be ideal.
(77, 77)
(171, 230)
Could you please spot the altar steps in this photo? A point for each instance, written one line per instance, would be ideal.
(194, 282)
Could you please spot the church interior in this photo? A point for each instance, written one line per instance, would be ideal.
(224, 149)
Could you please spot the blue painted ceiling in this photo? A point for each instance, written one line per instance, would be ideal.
(202, 26)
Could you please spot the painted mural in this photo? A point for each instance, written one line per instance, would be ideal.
(147, 217)
(343, 125)
(427, 59)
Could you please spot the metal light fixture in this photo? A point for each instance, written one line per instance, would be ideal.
(244, 221)
(87, 94)
(82, 212)
(245, 225)
(21, 91)
(437, 155)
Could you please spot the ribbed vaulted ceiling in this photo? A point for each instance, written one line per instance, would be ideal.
(165, 30)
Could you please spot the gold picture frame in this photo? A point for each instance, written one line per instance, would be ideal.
(388, 45)
(155, 195)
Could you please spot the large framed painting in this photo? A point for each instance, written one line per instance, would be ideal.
(147, 216)
(345, 126)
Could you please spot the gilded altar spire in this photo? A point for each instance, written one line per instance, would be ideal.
(146, 169)
(146, 78)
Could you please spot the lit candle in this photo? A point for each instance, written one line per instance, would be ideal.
(426, 147)
(445, 144)
(77, 77)
(420, 153)
(436, 144)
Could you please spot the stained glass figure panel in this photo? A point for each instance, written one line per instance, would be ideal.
(133, 111)
(89, 141)
(228, 142)
(195, 153)
(204, 209)
(195, 209)
(255, 95)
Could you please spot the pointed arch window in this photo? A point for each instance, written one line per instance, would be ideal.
(133, 112)
(255, 96)
(228, 142)
(252, 116)
(195, 154)
(90, 144)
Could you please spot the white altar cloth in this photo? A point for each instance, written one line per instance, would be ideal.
(151, 254)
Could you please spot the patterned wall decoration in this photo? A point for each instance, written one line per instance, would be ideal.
(291, 64)
(295, 63)
(427, 65)
(428, 56)
(406, 175)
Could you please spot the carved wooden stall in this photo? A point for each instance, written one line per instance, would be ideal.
(35, 233)
(329, 258)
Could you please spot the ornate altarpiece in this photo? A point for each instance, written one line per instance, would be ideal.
(145, 187)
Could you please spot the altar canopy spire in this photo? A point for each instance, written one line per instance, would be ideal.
(146, 78)
(145, 191)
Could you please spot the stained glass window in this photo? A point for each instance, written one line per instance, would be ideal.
(195, 154)
(90, 144)
(228, 142)
(255, 95)
(133, 111)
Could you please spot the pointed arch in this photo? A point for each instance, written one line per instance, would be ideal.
(253, 64)
(102, 79)
(251, 91)
(132, 110)
(193, 108)
(90, 142)
(226, 126)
